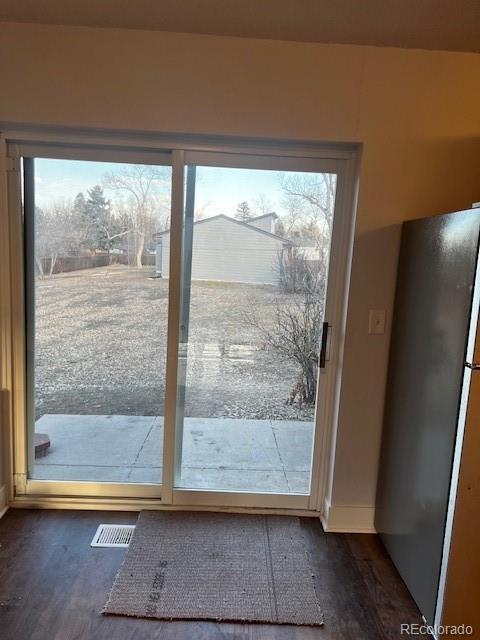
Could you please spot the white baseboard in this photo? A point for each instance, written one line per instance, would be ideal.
(3, 500)
(348, 519)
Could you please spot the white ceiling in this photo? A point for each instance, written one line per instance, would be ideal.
(452, 25)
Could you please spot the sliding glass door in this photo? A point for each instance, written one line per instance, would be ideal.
(256, 245)
(180, 310)
(97, 312)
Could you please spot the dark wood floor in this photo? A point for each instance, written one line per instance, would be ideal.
(53, 586)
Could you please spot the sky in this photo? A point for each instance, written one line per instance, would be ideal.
(218, 190)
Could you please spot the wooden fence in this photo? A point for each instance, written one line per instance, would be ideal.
(64, 264)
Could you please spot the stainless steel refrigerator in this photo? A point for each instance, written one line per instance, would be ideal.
(433, 365)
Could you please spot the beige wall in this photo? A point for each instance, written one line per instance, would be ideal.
(417, 113)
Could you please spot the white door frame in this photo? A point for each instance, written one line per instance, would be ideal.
(343, 159)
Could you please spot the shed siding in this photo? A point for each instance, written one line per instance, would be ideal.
(267, 223)
(224, 250)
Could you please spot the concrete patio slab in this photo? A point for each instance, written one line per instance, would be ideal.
(145, 474)
(221, 479)
(104, 441)
(218, 453)
(230, 443)
(151, 451)
(294, 441)
(298, 481)
(234, 480)
(85, 473)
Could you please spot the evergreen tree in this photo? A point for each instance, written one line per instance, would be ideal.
(79, 220)
(79, 205)
(243, 211)
(97, 219)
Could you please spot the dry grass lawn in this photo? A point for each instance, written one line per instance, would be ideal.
(101, 348)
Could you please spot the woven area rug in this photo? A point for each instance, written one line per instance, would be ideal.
(210, 566)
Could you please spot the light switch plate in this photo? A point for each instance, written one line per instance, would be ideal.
(376, 321)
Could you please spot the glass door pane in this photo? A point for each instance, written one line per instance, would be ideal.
(256, 249)
(97, 304)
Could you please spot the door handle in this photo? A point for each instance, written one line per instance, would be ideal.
(323, 346)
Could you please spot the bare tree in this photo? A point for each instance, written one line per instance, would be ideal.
(143, 186)
(294, 332)
(58, 232)
(310, 196)
(309, 202)
(293, 215)
(202, 210)
(111, 236)
(262, 205)
(295, 272)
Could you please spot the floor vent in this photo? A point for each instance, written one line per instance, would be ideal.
(113, 535)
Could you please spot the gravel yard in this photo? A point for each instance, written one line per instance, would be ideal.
(101, 348)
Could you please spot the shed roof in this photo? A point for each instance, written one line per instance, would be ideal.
(272, 214)
(238, 222)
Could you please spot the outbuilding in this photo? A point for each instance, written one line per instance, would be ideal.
(230, 250)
